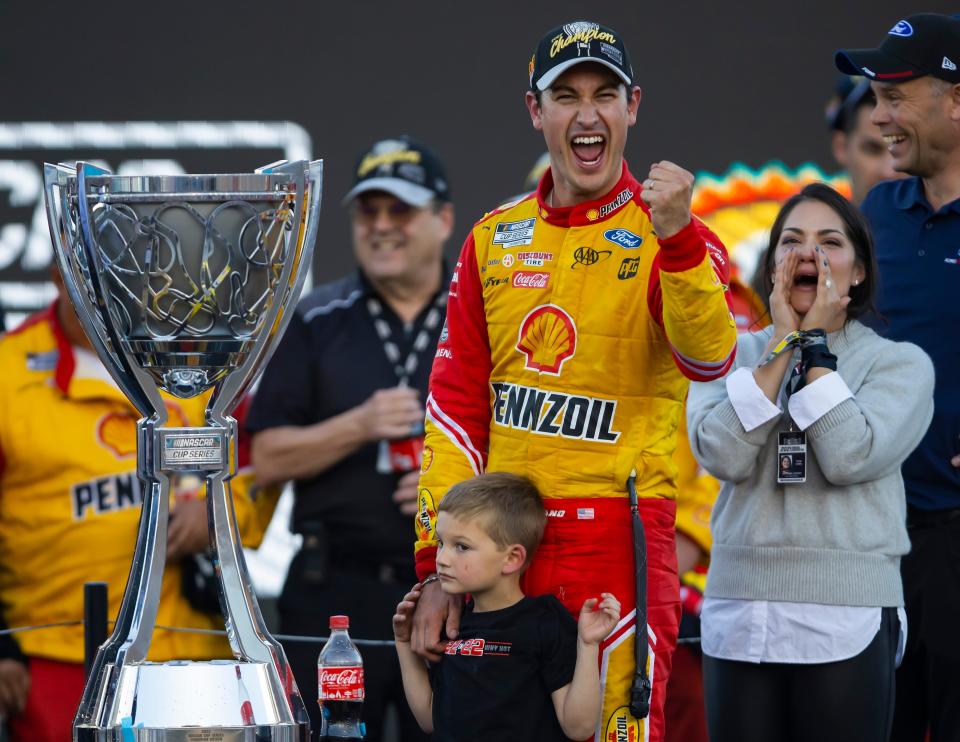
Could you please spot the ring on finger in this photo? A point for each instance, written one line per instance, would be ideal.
(829, 283)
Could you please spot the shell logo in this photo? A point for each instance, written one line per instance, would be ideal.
(426, 460)
(547, 337)
(117, 431)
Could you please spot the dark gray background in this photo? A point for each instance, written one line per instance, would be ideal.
(722, 81)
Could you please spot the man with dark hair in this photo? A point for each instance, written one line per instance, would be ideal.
(340, 412)
(915, 76)
(856, 142)
(576, 317)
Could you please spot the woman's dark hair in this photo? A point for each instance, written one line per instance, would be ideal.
(854, 226)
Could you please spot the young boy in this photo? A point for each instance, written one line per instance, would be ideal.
(517, 669)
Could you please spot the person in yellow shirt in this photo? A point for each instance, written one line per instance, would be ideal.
(69, 511)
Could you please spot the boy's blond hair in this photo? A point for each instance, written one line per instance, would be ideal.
(508, 507)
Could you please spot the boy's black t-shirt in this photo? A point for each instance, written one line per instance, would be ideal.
(494, 682)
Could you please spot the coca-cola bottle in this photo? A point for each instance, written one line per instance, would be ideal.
(340, 675)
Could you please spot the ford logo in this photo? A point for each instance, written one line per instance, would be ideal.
(623, 237)
(901, 29)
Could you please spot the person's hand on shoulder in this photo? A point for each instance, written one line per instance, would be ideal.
(435, 620)
(598, 618)
(668, 191)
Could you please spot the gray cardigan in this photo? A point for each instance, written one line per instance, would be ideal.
(837, 538)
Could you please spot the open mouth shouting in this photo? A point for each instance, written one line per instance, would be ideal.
(588, 149)
(806, 279)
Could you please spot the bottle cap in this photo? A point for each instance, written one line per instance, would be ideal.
(339, 622)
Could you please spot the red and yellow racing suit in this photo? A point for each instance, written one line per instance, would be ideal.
(571, 335)
(70, 503)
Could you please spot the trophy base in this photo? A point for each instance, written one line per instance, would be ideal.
(215, 701)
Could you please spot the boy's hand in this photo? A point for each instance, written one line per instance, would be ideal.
(403, 618)
(597, 621)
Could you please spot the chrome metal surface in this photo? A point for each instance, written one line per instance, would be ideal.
(153, 198)
(219, 183)
(182, 285)
(216, 701)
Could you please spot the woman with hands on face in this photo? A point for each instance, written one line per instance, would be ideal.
(815, 268)
(802, 614)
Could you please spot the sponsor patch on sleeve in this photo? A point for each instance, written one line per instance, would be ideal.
(426, 514)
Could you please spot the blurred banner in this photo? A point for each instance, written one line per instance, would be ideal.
(740, 205)
(126, 148)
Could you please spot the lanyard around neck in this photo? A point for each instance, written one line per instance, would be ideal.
(405, 368)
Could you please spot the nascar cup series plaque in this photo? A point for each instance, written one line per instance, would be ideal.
(185, 283)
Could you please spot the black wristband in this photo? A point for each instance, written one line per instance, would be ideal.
(812, 337)
(817, 355)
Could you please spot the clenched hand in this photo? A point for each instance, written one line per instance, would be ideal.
(668, 191)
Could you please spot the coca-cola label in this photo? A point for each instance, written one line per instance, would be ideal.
(341, 683)
(530, 279)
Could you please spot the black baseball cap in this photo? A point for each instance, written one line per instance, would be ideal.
(576, 42)
(921, 44)
(402, 167)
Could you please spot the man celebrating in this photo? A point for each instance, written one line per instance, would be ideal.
(575, 318)
(915, 75)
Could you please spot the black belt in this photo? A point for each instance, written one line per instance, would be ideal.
(920, 518)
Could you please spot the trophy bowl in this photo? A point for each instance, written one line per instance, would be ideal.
(184, 284)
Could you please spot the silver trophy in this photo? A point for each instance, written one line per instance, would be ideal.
(186, 283)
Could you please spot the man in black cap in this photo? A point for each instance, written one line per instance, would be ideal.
(916, 224)
(576, 318)
(340, 411)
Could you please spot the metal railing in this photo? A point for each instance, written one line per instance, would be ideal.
(96, 626)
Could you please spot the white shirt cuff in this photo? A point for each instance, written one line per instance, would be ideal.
(817, 399)
(748, 400)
